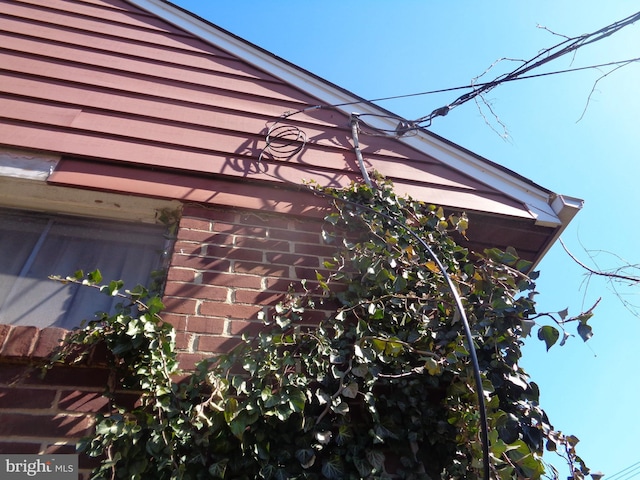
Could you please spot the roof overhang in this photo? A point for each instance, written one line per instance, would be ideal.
(545, 207)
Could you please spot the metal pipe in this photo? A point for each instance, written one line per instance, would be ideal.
(356, 145)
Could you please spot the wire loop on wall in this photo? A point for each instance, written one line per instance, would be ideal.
(283, 142)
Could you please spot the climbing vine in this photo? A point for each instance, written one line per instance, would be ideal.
(380, 387)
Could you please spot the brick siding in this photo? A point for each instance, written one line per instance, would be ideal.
(227, 266)
(230, 264)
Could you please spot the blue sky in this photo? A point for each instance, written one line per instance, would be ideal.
(378, 49)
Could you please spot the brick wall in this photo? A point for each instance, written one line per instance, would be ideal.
(227, 265)
(45, 413)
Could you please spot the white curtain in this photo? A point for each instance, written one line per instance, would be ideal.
(34, 246)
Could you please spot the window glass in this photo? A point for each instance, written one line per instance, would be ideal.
(34, 246)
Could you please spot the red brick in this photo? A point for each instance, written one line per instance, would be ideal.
(198, 236)
(194, 224)
(206, 325)
(4, 333)
(263, 244)
(240, 230)
(180, 274)
(226, 215)
(66, 449)
(179, 322)
(260, 269)
(242, 327)
(295, 236)
(215, 344)
(308, 225)
(82, 402)
(201, 263)
(179, 305)
(272, 221)
(11, 373)
(71, 377)
(184, 340)
(235, 253)
(25, 425)
(48, 340)
(292, 259)
(188, 248)
(26, 398)
(190, 290)
(188, 361)
(257, 297)
(310, 273)
(214, 309)
(20, 341)
(283, 285)
(317, 250)
(22, 448)
(232, 280)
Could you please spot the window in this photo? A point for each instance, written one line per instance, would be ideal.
(36, 245)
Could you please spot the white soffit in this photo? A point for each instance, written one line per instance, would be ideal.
(536, 199)
(28, 165)
(39, 196)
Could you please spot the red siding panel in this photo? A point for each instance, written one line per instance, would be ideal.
(104, 80)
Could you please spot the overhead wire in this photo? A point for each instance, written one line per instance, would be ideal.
(623, 474)
(413, 129)
(545, 56)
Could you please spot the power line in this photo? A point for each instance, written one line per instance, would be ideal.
(545, 56)
(465, 87)
(623, 474)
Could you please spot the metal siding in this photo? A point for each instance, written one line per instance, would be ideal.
(106, 80)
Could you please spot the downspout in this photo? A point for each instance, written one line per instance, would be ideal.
(356, 146)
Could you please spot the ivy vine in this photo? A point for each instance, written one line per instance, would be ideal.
(381, 387)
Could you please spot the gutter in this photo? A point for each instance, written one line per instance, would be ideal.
(565, 209)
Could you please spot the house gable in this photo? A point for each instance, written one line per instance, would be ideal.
(146, 86)
(118, 110)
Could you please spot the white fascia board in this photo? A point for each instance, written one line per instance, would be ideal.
(536, 199)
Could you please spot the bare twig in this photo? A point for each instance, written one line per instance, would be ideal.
(542, 27)
(569, 45)
(595, 84)
(505, 132)
(611, 275)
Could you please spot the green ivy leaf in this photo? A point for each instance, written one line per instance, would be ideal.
(585, 331)
(351, 390)
(93, 277)
(341, 408)
(155, 305)
(297, 400)
(333, 469)
(549, 334)
(432, 367)
(376, 458)
(527, 326)
(218, 469)
(306, 457)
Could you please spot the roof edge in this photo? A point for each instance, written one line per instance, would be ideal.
(535, 197)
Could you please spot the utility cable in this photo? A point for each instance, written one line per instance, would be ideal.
(545, 56)
(625, 471)
(356, 146)
(475, 85)
(407, 126)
